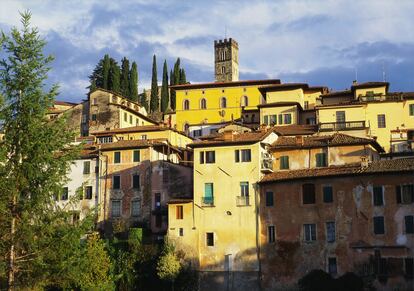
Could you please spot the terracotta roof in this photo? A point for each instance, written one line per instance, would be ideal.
(281, 103)
(286, 86)
(230, 138)
(336, 139)
(141, 128)
(370, 85)
(180, 201)
(225, 84)
(123, 144)
(288, 130)
(338, 94)
(377, 167)
(64, 103)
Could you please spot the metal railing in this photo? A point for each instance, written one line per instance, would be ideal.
(242, 201)
(337, 126)
(207, 201)
(267, 165)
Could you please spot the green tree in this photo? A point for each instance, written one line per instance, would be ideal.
(114, 77)
(100, 75)
(168, 266)
(164, 89)
(125, 78)
(37, 242)
(183, 78)
(106, 66)
(154, 100)
(133, 82)
(143, 100)
(172, 94)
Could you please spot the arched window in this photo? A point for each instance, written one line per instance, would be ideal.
(186, 105)
(244, 101)
(203, 103)
(223, 69)
(223, 102)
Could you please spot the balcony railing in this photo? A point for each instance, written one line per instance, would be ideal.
(337, 126)
(380, 97)
(266, 164)
(207, 201)
(242, 200)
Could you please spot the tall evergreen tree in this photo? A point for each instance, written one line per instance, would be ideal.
(177, 72)
(154, 101)
(133, 82)
(183, 78)
(114, 77)
(164, 89)
(36, 242)
(143, 100)
(106, 66)
(125, 78)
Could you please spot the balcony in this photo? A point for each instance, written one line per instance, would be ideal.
(380, 97)
(266, 164)
(338, 126)
(207, 201)
(242, 201)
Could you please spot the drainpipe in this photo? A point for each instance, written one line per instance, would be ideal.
(256, 205)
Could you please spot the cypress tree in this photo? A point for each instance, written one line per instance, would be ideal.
(154, 102)
(133, 82)
(173, 94)
(143, 100)
(183, 79)
(164, 89)
(114, 77)
(106, 66)
(37, 241)
(125, 78)
(177, 72)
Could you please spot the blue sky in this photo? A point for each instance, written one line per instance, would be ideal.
(320, 42)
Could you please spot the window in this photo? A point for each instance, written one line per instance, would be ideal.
(287, 118)
(381, 121)
(208, 193)
(88, 192)
(411, 107)
(266, 119)
(116, 208)
(245, 101)
(311, 120)
(246, 155)
(280, 118)
(157, 201)
(340, 117)
(179, 212)
(181, 231)
(223, 102)
(272, 119)
(308, 193)
(93, 117)
(116, 183)
(197, 133)
(309, 232)
(94, 101)
(271, 234)
(135, 207)
(65, 193)
(332, 268)
(284, 162)
(330, 232)
(405, 194)
(210, 239)
(379, 225)
(117, 157)
(135, 181)
(210, 157)
(223, 69)
(144, 137)
(244, 189)
(409, 224)
(203, 103)
(86, 167)
(136, 156)
(327, 194)
(125, 117)
(186, 105)
(378, 196)
(306, 105)
(321, 160)
(105, 139)
(201, 157)
(269, 198)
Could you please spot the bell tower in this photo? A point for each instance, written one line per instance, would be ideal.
(226, 60)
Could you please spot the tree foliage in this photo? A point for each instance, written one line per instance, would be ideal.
(133, 82)
(177, 77)
(154, 100)
(168, 266)
(125, 77)
(165, 96)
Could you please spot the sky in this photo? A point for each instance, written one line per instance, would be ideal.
(320, 42)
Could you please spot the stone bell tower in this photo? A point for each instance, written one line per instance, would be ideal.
(226, 60)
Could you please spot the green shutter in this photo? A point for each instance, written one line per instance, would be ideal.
(208, 193)
(136, 156)
(280, 119)
(266, 119)
(411, 109)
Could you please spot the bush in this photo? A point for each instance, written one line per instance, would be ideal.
(316, 280)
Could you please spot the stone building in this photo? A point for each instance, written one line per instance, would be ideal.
(226, 60)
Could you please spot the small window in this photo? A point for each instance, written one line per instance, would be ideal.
(157, 200)
(181, 231)
(411, 106)
(208, 194)
(381, 121)
(378, 196)
(306, 105)
(203, 103)
(271, 234)
(272, 119)
(179, 212)
(321, 160)
(409, 224)
(197, 132)
(136, 155)
(135, 207)
(135, 181)
(405, 194)
(280, 118)
(327, 194)
(223, 102)
(210, 239)
(93, 117)
(287, 118)
(244, 189)
(117, 157)
(330, 232)
(332, 268)
(186, 105)
(130, 119)
(246, 155)
(237, 156)
(308, 193)
(116, 208)
(309, 232)
(144, 137)
(210, 157)
(284, 162)
(125, 117)
(88, 192)
(116, 183)
(65, 193)
(245, 101)
(266, 119)
(223, 69)
(201, 157)
(379, 227)
(269, 198)
(86, 167)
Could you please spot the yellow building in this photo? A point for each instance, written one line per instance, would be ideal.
(216, 102)
(220, 225)
(367, 109)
